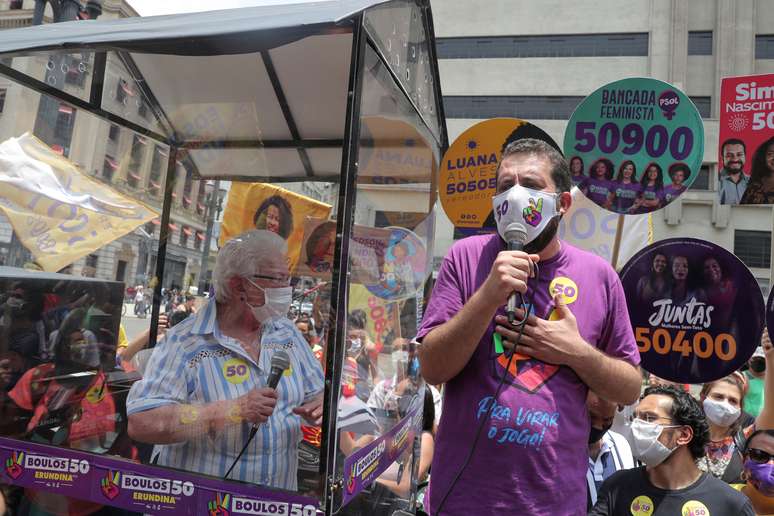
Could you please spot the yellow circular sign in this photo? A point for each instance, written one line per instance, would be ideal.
(236, 370)
(641, 506)
(467, 179)
(565, 286)
(694, 508)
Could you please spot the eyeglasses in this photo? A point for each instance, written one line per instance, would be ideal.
(283, 279)
(759, 456)
(648, 418)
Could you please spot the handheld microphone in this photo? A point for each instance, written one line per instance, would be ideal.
(516, 237)
(280, 361)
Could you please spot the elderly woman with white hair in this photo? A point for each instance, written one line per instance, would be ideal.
(205, 384)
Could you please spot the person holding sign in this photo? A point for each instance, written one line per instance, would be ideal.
(626, 189)
(651, 197)
(669, 432)
(515, 396)
(760, 189)
(205, 385)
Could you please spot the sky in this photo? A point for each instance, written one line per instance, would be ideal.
(153, 7)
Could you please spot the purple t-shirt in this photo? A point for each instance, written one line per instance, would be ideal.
(598, 189)
(532, 455)
(625, 195)
(671, 193)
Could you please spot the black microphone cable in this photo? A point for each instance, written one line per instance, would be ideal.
(521, 325)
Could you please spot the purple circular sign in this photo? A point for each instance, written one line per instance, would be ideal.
(694, 308)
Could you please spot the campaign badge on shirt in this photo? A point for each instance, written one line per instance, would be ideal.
(694, 508)
(567, 288)
(642, 506)
(236, 370)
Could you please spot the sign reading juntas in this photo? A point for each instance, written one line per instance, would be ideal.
(467, 180)
(695, 308)
(634, 145)
(746, 140)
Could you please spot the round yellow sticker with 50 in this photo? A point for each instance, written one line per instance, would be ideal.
(564, 286)
(236, 370)
(641, 506)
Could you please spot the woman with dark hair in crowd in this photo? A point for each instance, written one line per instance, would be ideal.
(598, 185)
(320, 247)
(275, 215)
(758, 472)
(576, 171)
(626, 189)
(760, 189)
(682, 290)
(651, 197)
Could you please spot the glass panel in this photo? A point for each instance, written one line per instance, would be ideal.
(398, 30)
(77, 249)
(123, 95)
(390, 261)
(68, 72)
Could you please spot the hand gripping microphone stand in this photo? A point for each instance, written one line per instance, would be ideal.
(280, 361)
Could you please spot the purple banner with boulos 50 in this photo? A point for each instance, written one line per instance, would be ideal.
(696, 309)
(365, 465)
(57, 478)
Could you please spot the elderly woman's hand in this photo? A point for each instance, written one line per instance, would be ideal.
(257, 405)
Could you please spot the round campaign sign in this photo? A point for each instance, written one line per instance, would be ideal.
(402, 272)
(634, 145)
(695, 309)
(467, 180)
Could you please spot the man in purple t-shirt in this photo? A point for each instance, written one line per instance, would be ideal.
(531, 455)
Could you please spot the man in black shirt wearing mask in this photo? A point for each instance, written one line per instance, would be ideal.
(669, 432)
(608, 451)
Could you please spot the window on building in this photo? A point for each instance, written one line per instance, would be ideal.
(187, 186)
(109, 167)
(527, 107)
(185, 232)
(154, 178)
(91, 260)
(121, 91)
(63, 129)
(764, 46)
(567, 45)
(753, 247)
(136, 156)
(700, 43)
(76, 70)
(201, 199)
(2, 99)
(704, 105)
(198, 240)
(16, 4)
(114, 133)
(702, 181)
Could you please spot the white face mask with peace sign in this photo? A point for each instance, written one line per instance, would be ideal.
(532, 208)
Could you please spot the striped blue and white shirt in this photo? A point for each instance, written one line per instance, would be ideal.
(197, 364)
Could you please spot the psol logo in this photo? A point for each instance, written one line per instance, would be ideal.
(13, 465)
(668, 102)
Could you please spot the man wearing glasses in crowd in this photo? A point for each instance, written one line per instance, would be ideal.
(205, 384)
(669, 432)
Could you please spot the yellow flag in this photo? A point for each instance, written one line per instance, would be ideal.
(264, 206)
(59, 213)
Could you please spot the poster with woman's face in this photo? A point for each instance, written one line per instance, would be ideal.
(695, 308)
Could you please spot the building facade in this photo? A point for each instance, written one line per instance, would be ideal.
(537, 59)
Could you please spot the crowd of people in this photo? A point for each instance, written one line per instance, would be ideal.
(621, 191)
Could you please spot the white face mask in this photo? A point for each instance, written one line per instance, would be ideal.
(276, 302)
(531, 208)
(645, 444)
(720, 412)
